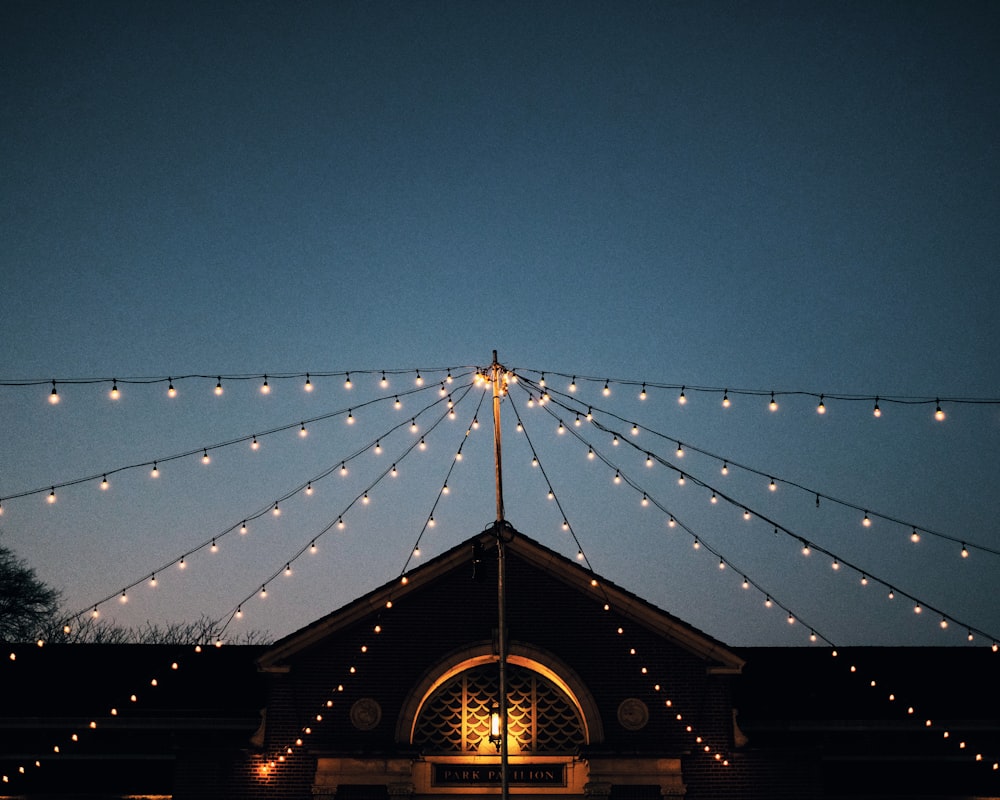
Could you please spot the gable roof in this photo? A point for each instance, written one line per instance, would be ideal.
(718, 657)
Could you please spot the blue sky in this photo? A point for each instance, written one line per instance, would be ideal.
(771, 196)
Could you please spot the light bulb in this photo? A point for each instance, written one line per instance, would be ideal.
(364, 500)
(350, 417)
(171, 391)
(649, 460)
(746, 513)
(645, 499)
(938, 413)
(614, 440)
(182, 564)
(791, 620)
(309, 488)
(767, 602)
(914, 537)
(773, 486)
(430, 521)
(124, 597)
(696, 544)
(565, 525)
(413, 425)
(876, 412)
(560, 430)
(52, 496)
(579, 555)
(805, 548)
(725, 399)
(288, 569)
(243, 527)
(821, 408)
(618, 477)
(635, 429)
(152, 579)
(864, 579)
(445, 489)
(263, 590)
(746, 583)
(835, 565)
(642, 394)
(725, 468)
(312, 546)
(114, 393)
(104, 483)
(722, 564)
(965, 551)
(680, 480)
(590, 452)
(204, 457)
(378, 446)
(308, 384)
(154, 472)
(398, 403)
(713, 499)
(302, 430)
(680, 450)
(944, 623)
(265, 389)
(572, 384)
(340, 523)
(218, 386)
(347, 381)
(773, 405)
(54, 395)
(866, 521)
(917, 609)
(214, 548)
(393, 471)
(276, 511)
(682, 399)
(671, 523)
(254, 444)
(343, 468)
(607, 389)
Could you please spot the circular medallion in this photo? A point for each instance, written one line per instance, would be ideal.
(633, 714)
(366, 714)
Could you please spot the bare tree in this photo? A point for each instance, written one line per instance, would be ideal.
(27, 604)
(204, 630)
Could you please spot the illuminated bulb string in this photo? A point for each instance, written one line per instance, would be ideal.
(272, 507)
(415, 550)
(570, 404)
(338, 520)
(206, 451)
(718, 494)
(574, 381)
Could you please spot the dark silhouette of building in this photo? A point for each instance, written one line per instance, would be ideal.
(393, 696)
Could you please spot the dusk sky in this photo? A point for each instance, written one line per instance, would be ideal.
(798, 198)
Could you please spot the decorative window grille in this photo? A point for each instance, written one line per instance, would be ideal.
(540, 717)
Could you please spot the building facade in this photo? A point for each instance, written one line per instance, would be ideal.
(395, 696)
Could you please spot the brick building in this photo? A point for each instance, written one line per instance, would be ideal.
(393, 696)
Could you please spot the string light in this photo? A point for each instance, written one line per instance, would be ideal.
(104, 483)
(309, 488)
(254, 444)
(54, 395)
(866, 521)
(350, 417)
(773, 486)
(773, 405)
(680, 450)
(204, 456)
(725, 399)
(347, 381)
(682, 399)
(52, 496)
(965, 551)
(171, 391)
(938, 413)
(821, 408)
(275, 510)
(308, 384)
(635, 429)
(572, 384)
(114, 394)
(680, 479)
(384, 382)
(607, 389)
(398, 403)
(914, 536)
(419, 380)
(725, 468)
(265, 389)
(302, 430)
(877, 412)
(218, 386)
(642, 394)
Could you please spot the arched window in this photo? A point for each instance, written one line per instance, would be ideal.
(541, 718)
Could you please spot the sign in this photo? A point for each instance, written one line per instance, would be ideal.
(489, 775)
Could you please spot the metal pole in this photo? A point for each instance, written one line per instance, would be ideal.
(501, 588)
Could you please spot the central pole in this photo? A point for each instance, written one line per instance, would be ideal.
(501, 533)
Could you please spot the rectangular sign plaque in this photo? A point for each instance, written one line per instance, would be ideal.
(489, 775)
